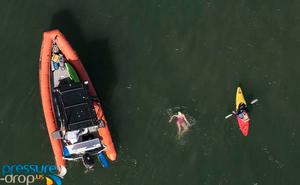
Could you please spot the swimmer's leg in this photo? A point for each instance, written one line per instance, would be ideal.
(179, 129)
(185, 129)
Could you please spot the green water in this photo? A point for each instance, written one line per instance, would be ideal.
(148, 58)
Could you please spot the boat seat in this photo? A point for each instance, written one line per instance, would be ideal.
(84, 146)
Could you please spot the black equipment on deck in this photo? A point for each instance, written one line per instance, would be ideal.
(75, 105)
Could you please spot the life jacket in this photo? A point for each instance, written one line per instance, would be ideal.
(55, 58)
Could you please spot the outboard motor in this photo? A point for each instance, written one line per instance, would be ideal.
(88, 161)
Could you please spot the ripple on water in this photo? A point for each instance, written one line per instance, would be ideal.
(271, 157)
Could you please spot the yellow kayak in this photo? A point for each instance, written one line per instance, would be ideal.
(239, 98)
(243, 119)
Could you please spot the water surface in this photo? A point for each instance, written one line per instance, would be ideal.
(150, 58)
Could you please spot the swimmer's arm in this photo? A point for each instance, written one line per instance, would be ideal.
(172, 117)
(188, 123)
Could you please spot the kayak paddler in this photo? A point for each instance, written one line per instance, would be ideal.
(242, 112)
(182, 123)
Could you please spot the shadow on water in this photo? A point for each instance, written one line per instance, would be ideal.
(97, 58)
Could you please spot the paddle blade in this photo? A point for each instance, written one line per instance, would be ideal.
(254, 101)
(228, 116)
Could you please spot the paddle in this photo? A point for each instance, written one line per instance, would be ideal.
(252, 102)
(228, 116)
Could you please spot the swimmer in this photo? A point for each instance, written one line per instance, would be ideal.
(182, 123)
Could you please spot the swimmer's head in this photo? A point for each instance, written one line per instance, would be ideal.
(179, 113)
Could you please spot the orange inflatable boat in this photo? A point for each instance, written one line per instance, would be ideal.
(75, 121)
